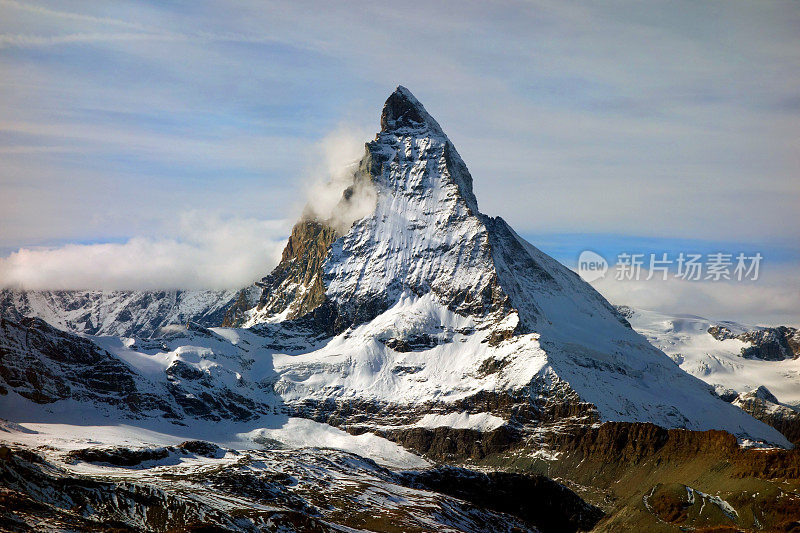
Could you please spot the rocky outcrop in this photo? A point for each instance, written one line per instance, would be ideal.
(625, 443)
(45, 365)
(295, 287)
(763, 405)
(129, 457)
(767, 344)
(450, 445)
(119, 456)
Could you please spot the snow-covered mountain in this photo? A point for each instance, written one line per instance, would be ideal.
(430, 301)
(421, 307)
(123, 313)
(733, 358)
(755, 368)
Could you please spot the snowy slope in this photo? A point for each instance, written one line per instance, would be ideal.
(718, 362)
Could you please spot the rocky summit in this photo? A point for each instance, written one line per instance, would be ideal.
(446, 358)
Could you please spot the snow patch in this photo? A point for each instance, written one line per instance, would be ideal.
(477, 421)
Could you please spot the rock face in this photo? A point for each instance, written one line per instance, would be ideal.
(637, 466)
(45, 365)
(121, 313)
(295, 287)
(61, 370)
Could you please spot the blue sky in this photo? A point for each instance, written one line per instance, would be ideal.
(585, 125)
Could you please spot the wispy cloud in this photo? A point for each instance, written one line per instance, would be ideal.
(32, 41)
(23, 41)
(145, 33)
(41, 10)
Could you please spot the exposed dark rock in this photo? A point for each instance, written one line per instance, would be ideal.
(45, 365)
(768, 344)
(540, 404)
(725, 393)
(412, 343)
(119, 456)
(182, 370)
(201, 447)
(297, 282)
(540, 501)
(455, 445)
(402, 110)
(129, 457)
(624, 444)
(492, 366)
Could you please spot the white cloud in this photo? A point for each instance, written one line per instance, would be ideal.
(770, 300)
(339, 153)
(202, 251)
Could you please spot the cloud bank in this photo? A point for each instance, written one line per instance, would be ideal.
(202, 251)
(771, 300)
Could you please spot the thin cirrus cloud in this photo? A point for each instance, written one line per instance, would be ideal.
(41, 10)
(28, 41)
(659, 121)
(22, 40)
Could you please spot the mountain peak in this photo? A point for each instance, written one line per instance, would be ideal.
(402, 110)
